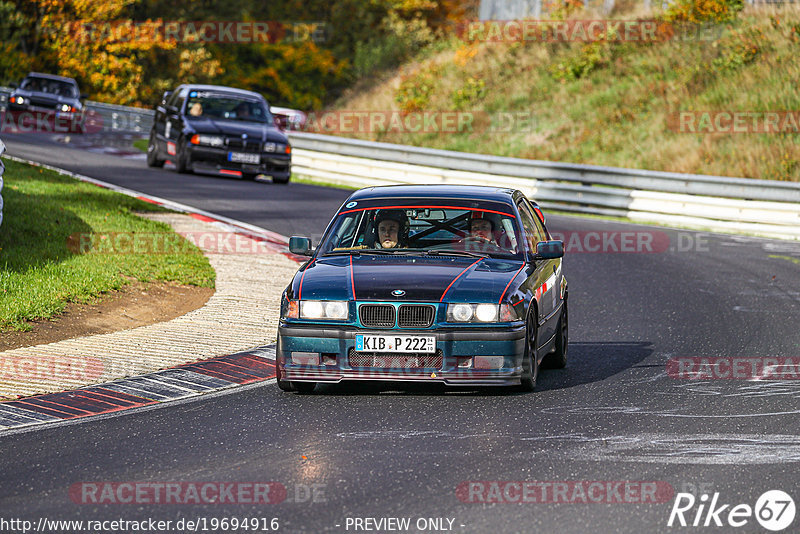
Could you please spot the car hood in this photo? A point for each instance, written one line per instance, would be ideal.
(421, 278)
(253, 130)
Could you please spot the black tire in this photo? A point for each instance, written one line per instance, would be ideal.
(304, 387)
(249, 176)
(558, 358)
(530, 364)
(181, 164)
(285, 385)
(288, 386)
(282, 181)
(152, 157)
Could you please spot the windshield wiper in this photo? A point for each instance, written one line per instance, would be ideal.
(455, 253)
(358, 251)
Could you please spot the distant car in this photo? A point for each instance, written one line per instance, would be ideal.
(289, 119)
(468, 291)
(46, 92)
(218, 130)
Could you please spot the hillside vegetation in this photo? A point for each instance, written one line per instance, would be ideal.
(611, 102)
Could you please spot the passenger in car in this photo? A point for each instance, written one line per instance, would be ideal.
(482, 228)
(196, 109)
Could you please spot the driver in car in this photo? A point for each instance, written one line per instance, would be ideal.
(392, 229)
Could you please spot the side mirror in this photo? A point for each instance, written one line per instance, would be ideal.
(549, 250)
(165, 97)
(300, 245)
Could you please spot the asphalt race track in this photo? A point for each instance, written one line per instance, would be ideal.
(381, 451)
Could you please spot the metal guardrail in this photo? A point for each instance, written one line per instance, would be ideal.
(761, 207)
(122, 118)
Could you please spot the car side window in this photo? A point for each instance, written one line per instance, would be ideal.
(533, 232)
(181, 99)
(177, 99)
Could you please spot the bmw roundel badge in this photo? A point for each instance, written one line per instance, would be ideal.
(351, 205)
(398, 292)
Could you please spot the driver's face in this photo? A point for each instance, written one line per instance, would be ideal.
(481, 228)
(387, 233)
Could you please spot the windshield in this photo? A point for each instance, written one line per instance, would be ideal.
(217, 106)
(46, 85)
(479, 231)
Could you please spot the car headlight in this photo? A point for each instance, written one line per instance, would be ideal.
(323, 309)
(65, 107)
(274, 147)
(460, 312)
(20, 100)
(486, 312)
(481, 313)
(209, 140)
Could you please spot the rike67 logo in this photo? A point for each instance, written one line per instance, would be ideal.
(774, 510)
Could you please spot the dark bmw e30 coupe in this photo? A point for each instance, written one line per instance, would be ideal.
(460, 285)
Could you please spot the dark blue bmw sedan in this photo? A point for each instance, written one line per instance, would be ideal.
(460, 285)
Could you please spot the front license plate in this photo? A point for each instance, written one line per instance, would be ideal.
(399, 344)
(243, 157)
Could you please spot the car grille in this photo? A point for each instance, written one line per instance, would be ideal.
(388, 360)
(237, 143)
(415, 316)
(377, 315)
(44, 103)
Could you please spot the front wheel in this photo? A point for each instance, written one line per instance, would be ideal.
(297, 387)
(152, 153)
(281, 181)
(182, 162)
(530, 361)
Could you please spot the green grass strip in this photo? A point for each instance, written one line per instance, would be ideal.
(40, 273)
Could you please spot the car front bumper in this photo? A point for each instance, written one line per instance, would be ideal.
(455, 346)
(204, 159)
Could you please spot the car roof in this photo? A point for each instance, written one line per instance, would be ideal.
(51, 77)
(222, 88)
(462, 192)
